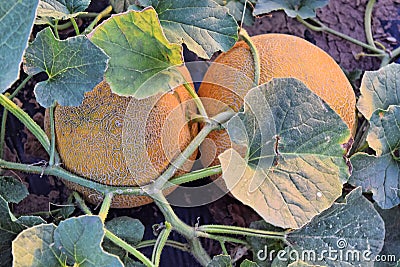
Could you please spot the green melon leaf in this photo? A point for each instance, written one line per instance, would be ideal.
(80, 238)
(129, 229)
(220, 261)
(17, 17)
(29, 221)
(138, 50)
(247, 263)
(49, 10)
(34, 247)
(293, 167)
(293, 8)
(236, 7)
(379, 89)
(345, 227)
(9, 229)
(74, 66)
(380, 174)
(12, 189)
(204, 26)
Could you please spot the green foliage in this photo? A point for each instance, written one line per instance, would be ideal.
(293, 8)
(204, 26)
(49, 10)
(138, 50)
(247, 263)
(74, 66)
(236, 8)
(12, 190)
(14, 40)
(293, 168)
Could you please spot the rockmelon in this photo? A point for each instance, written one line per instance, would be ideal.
(89, 139)
(281, 56)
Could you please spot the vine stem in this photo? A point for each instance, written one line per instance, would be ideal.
(226, 229)
(75, 25)
(105, 206)
(52, 135)
(195, 175)
(97, 18)
(187, 231)
(323, 27)
(160, 243)
(256, 57)
(27, 121)
(196, 99)
(170, 243)
(367, 22)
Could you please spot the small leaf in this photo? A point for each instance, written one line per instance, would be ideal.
(293, 8)
(204, 26)
(380, 174)
(16, 18)
(129, 229)
(60, 9)
(138, 50)
(12, 190)
(220, 261)
(247, 263)
(34, 247)
(379, 89)
(74, 66)
(236, 8)
(8, 231)
(294, 166)
(29, 221)
(344, 228)
(79, 240)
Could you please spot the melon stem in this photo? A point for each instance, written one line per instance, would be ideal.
(196, 99)
(256, 57)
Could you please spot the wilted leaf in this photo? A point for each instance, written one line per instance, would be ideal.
(204, 26)
(380, 174)
(60, 9)
(294, 166)
(379, 89)
(293, 8)
(138, 50)
(16, 18)
(8, 231)
(12, 189)
(220, 261)
(74, 66)
(354, 226)
(79, 240)
(34, 247)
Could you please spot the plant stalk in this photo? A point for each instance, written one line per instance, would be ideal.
(97, 18)
(105, 206)
(195, 175)
(75, 25)
(52, 135)
(256, 57)
(160, 243)
(368, 22)
(196, 99)
(226, 229)
(170, 243)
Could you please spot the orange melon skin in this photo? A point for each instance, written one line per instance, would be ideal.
(281, 56)
(89, 140)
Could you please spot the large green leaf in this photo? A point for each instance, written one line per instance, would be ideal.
(59, 9)
(204, 26)
(346, 229)
(12, 189)
(74, 66)
(16, 17)
(380, 173)
(79, 240)
(8, 231)
(34, 247)
(379, 89)
(138, 50)
(302, 8)
(294, 166)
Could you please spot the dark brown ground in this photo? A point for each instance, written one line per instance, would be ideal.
(343, 15)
